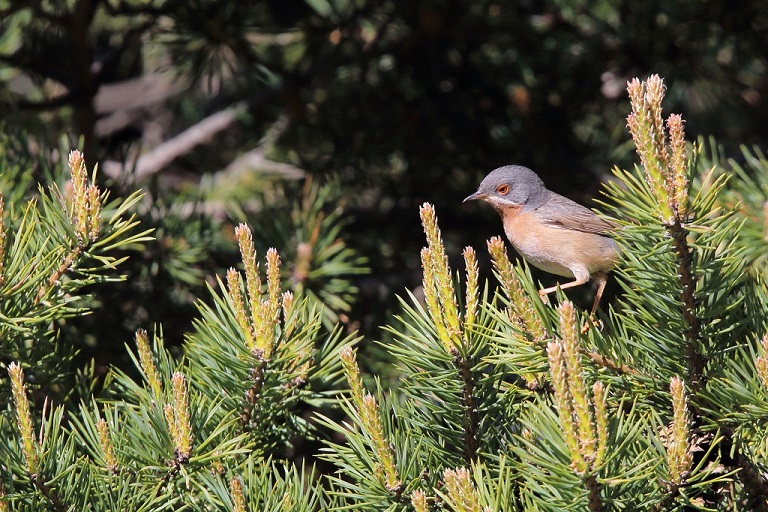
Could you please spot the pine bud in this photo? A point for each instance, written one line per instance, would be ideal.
(439, 273)
(473, 293)
(24, 417)
(147, 362)
(238, 497)
(461, 491)
(178, 417)
(105, 441)
(419, 501)
(679, 454)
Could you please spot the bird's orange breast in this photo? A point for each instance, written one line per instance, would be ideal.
(565, 252)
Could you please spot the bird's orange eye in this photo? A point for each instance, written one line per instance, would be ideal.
(502, 189)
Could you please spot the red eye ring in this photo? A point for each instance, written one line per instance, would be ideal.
(502, 189)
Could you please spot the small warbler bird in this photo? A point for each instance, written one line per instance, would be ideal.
(548, 230)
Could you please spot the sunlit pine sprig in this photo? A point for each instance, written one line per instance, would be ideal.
(260, 318)
(678, 164)
(432, 300)
(600, 401)
(472, 300)
(370, 419)
(583, 418)
(665, 162)
(86, 200)
(147, 362)
(178, 418)
(257, 313)
(252, 280)
(269, 311)
(419, 501)
(107, 449)
(569, 333)
(84, 207)
(439, 292)
(290, 319)
(461, 491)
(679, 453)
(238, 497)
(564, 403)
(24, 417)
(666, 171)
(243, 317)
(352, 372)
(521, 311)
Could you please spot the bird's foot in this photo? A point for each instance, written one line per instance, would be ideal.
(592, 321)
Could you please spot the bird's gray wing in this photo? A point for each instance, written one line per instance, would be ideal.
(558, 211)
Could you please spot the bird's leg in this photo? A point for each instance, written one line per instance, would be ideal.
(578, 282)
(601, 278)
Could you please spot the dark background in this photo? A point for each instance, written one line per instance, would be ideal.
(389, 104)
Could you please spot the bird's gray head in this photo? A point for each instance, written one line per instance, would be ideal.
(511, 186)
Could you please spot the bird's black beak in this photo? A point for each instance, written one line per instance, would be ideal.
(474, 197)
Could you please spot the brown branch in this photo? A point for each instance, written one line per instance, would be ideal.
(673, 493)
(49, 493)
(121, 104)
(154, 161)
(200, 133)
(471, 417)
(688, 298)
(601, 360)
(54, 278)
(175, 466)
(257, 377)
(595, 500)
(86, 85)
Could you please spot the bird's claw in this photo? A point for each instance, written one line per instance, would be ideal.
(590, 322)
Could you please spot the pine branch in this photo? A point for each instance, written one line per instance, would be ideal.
(256, 376)
(605, 362)
(686, 276)
(202, 132)
(160, 157)
(594, 496)
(175, 467)
(52, 496)
(472, 419)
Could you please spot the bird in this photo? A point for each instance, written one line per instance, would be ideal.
(550, 231)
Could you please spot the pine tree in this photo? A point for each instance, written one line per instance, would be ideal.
(505, 402)
(512, 404)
